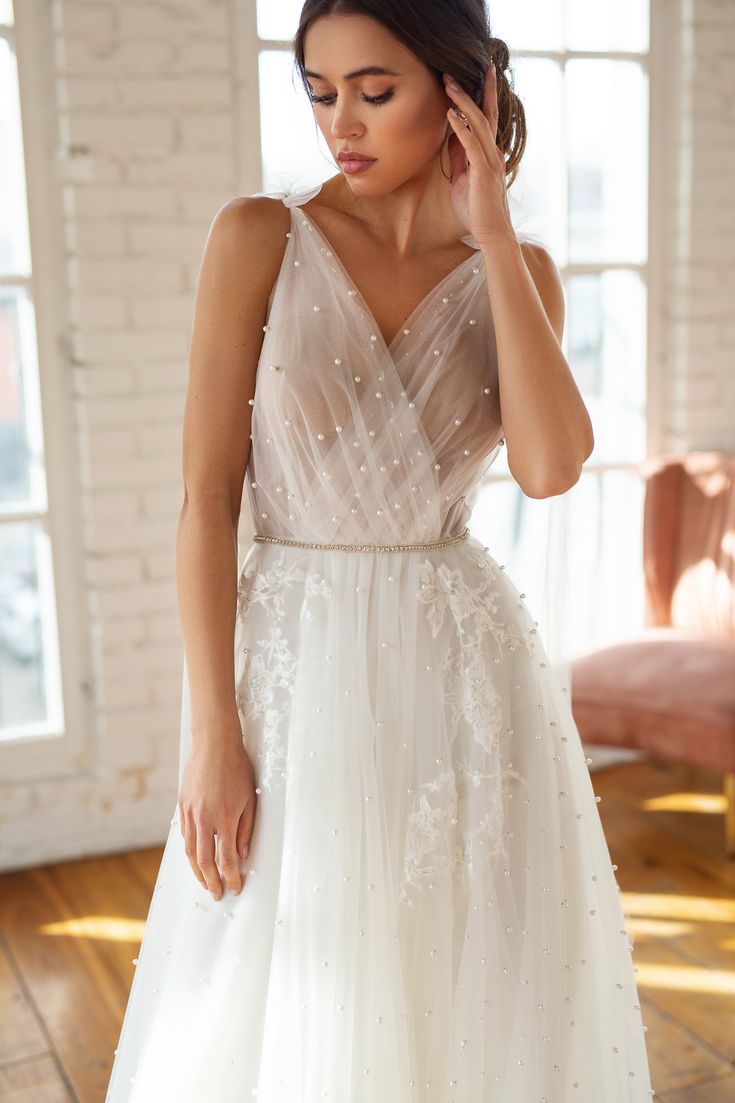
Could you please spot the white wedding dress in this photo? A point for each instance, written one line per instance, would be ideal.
(430, 913)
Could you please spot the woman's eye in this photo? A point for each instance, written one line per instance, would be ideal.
(368, 99)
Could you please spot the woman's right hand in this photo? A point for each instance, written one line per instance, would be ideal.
(217, 797)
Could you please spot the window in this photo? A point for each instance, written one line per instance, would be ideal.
(582, 74)
(40, 648)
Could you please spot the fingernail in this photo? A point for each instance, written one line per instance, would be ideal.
(246, 850)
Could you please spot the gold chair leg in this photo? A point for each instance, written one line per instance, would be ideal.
(728, 788)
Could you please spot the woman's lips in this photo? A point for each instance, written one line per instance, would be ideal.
(356, 164)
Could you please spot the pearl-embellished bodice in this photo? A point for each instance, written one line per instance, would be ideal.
(357, 441)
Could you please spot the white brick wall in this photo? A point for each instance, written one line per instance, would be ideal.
(149, 151)
(146, 125)
(699, 289)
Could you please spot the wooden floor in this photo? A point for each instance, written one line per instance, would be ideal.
(69, 932)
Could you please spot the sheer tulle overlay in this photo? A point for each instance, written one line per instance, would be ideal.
(430, 913)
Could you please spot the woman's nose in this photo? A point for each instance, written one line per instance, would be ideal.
(344, 123)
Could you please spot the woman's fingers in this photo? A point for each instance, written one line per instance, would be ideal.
(188, 830)
(205, 858)
(229, 863)
(245, 829)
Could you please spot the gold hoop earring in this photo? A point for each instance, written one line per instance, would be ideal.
(441, 154)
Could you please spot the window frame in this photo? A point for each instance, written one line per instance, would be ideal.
(50, 752)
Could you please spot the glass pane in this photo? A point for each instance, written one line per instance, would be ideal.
(278, 20)
(6, 11)
(22, 476)
(606, 347)
(540, 187)
(28, 637)
(532, 25)
(15, 252)
(607, 109)
(607, 25)
(293, 149)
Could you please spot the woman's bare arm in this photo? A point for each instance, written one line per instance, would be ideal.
(241, 259)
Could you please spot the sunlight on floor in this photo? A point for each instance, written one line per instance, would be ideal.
(686, 802)
(703, 908)
(106, 927)
(687, 978)
(657, 928)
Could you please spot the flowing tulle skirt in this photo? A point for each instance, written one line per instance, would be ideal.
(429, 913)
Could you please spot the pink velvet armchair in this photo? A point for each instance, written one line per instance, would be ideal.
(670, 691)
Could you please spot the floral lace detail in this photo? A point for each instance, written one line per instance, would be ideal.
(457, 818)
(443, 589)
(470, 694)
(266, 682)
(268, 587)
(428, 841)
(435, 845)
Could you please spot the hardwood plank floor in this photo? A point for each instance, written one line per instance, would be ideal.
(69, 933)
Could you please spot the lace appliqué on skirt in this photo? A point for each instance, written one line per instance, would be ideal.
(266, 670)
(457, 816)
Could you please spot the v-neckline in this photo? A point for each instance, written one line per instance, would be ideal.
(389, 345)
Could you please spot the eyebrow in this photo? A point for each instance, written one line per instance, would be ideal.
(367, 71)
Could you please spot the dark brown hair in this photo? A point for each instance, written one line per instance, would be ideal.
(450, 36)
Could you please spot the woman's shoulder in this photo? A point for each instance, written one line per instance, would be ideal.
(249, 232)
(252, 219)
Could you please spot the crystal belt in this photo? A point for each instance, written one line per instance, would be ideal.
(363, 547)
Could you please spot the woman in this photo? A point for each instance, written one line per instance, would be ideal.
(388, 878)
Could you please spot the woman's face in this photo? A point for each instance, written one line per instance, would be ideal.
(405, 125)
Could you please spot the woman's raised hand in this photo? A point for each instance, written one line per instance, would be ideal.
(217, 797)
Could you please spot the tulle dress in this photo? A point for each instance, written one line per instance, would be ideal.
(429, 913)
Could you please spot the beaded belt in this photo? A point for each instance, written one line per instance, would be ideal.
(364, 547)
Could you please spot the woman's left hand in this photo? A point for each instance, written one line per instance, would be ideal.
(478, 190)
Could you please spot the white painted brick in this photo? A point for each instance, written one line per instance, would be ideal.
(129, 57)
(165, 376)
(94, 238)
(127, 346)
(185, 166)
(148, 597)
(119, 505)
(97, 311)
(118, 444)
(202, 131)
(154, 440)
(111, 201)
(163, 501)
(170, 240)
(131, 410)
(115, 570)
(151, 311)
(80, 165)
(166, 687)
(127, 274)
(87, 20)
(90, 381)
(95, 92)
(123, 135)
(176, 20)
(166, 628)
(203, 204)
(161, 564)
(197, 55)
(105, 537)
(123, 632)
(177, 92)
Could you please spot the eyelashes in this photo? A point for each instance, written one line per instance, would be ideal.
(326, 100)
